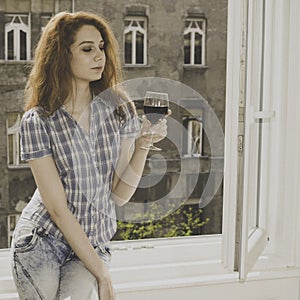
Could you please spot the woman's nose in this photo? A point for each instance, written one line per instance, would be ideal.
(99, 55)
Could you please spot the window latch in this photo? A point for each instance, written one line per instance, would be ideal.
(241, 143)
(263, 115)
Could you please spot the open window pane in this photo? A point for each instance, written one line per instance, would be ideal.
(251, 235)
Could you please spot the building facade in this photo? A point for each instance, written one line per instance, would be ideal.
(180, 40)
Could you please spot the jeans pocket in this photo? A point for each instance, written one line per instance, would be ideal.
(25, 237)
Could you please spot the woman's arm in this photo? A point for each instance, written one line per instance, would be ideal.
(130, 166)
(53, 196)
(129, 169)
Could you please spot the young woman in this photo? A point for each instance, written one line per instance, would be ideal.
(83, 142)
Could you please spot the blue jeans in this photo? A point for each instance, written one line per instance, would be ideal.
(45, 268)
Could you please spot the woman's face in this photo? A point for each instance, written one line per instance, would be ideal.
(88, 56)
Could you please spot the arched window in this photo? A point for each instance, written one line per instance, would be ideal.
(17, 37)
(193, 137)
(135, 41)
(194, 41)
(13, 140)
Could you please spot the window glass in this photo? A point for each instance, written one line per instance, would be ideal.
(198, 49)
(10, 45)
(136, 40)
(128, 48)
(187, 48)
(139, 48)
(23, 45)
(180, 186)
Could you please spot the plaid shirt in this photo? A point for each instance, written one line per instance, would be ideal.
(85, 164)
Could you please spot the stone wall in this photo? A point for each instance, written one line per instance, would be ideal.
(165, 59)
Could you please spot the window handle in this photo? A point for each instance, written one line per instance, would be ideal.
(263, 115)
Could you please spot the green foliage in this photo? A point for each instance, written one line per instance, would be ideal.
(185, 221)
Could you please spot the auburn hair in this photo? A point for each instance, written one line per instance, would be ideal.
(50, 82)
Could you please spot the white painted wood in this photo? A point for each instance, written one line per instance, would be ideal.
(234, 35)
(279, 285)
(294, 139)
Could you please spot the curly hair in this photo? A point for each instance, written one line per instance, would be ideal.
(50, 81)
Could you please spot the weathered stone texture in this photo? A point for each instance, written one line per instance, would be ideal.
(165, 59)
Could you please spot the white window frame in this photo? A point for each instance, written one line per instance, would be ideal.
(14, 131)
(134, 30)
(192, 150)
(251, 236)
(10, 230)
(45, 19)
(17, 27)
(211, 259)
(193, 31)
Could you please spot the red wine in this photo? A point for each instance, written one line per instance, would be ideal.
(155, 113)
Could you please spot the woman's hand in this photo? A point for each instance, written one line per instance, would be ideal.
(156, 132)
(105, 288)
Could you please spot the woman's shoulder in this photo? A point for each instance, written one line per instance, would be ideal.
(127, 107)
(34, 114)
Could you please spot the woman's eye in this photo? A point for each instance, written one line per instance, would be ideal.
(101, 48)
(87, 49)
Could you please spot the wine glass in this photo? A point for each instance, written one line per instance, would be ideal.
(156, 106)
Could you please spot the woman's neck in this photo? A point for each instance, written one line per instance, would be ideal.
(81, 98)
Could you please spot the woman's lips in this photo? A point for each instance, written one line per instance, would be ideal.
(97, 68)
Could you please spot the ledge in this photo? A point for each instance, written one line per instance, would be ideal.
(195, 67)
(137, 66)
(15, 62)
(146, 267)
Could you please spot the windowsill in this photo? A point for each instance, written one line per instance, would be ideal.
(137, 66)
(18, 167)
(183, 249)
(207, 157)
(15, 62)
(204, 280)
(155, 264)
(168, 263)
(186, 156)
(182, 262)
(195, 67)
(159, 261)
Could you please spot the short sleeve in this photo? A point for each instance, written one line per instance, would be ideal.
(35, 140)
(130, 123)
